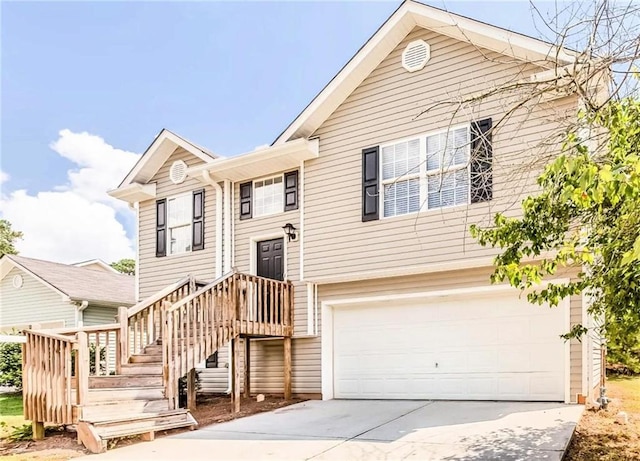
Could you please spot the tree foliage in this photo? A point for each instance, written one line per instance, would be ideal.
(586, 216)
(8, 238)
(126, 266)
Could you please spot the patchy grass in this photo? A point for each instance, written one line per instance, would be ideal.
(599, 438)
(10, 413)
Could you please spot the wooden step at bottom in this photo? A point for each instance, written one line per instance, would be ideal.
(146, 358)
(125, 393)
(137, 417)
(137, 426)
(141, 369)
(94, 436)
(101, 382)
(112, 410)
(154, 349)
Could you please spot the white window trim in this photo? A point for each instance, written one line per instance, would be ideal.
(422, 173)
(253, 195)
(168, 242)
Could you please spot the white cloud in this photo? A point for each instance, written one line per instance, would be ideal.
(77, 220)
(4, 177)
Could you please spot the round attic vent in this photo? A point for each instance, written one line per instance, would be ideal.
(178, 172)
(416, 55)
(17, 281)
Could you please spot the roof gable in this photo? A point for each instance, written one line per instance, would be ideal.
(409, 15)
(157, 154)
(77, 283)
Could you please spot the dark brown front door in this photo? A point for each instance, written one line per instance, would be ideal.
(271, 259)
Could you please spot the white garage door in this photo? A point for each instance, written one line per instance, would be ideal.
(495, 347)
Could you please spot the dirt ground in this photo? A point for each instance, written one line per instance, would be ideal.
(62, 445)
(599, 437)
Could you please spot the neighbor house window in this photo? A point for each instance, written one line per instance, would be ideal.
(426, 172)
(179, 218)
(268, 196)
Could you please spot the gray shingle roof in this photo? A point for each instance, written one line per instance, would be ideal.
(81, 283)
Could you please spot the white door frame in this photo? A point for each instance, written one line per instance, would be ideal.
(253, 252)
(327, 326)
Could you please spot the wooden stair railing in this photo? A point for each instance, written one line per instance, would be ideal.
(201, 323)
(47, 379)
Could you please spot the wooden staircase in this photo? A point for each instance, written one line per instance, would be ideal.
(132, 403)
(131, 388)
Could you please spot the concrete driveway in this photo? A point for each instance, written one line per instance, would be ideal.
(375, 430)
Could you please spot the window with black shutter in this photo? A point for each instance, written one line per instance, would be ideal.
(370, 183)
(291, 190)
(246, 190)
(197, 227)
(161, 227)
(481, 161)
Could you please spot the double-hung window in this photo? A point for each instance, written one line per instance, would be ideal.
(269, 196)
(179, 220)
(426, 172)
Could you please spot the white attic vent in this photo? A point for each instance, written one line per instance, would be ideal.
(416, 55)
(178, 172)
(17, 281)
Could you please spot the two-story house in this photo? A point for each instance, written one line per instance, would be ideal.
(362, 205)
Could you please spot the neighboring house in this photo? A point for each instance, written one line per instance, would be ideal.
(392, 297)
(43, 294)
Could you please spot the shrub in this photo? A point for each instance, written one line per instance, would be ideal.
(11, 365)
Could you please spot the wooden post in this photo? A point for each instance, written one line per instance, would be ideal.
(247, 367)
(82, 375)
(38, 430)
(287, 367)
(191, 389)
(122, 344)
(235, 375)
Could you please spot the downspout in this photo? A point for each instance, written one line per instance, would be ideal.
(79, 313)
(219, 217)
(228, 250)
(219, 206)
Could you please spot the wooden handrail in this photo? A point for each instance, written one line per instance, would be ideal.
(136, 308)
(198, 292)
(50, 335)
(89, 329)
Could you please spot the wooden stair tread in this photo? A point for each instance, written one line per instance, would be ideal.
(123, 432)
(126, 388)
(136, 417)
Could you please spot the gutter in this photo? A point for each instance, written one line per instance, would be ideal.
(79, 317)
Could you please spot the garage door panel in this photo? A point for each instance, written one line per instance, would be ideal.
(484, 348)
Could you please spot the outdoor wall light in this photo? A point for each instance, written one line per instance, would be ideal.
(289, 231)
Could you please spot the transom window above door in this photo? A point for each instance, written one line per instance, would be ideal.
(426, 172)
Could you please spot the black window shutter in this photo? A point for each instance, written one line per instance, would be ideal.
(481, 161)
(291, 190)
(245, 200)
(161, 227)
(370, 183)
(197, 229)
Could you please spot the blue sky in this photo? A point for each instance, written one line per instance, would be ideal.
(228, 76)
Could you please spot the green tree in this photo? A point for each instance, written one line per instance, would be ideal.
(8, 238)
(126, 266)
(11, 365)
(587, 216)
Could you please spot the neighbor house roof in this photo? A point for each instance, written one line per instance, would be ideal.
(78, 283)
(409, 15)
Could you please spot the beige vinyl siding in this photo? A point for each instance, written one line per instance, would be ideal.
(34, 302)
(157, 273)
(267, 355)
(216, 380)
(384, 109)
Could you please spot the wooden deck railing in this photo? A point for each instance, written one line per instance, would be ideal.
(47, 377)
(201, 323)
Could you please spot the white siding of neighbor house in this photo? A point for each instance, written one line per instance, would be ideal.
(157, 273)
(99, 315)
(34, 302)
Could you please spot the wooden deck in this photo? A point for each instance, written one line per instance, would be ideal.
(151, 345)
